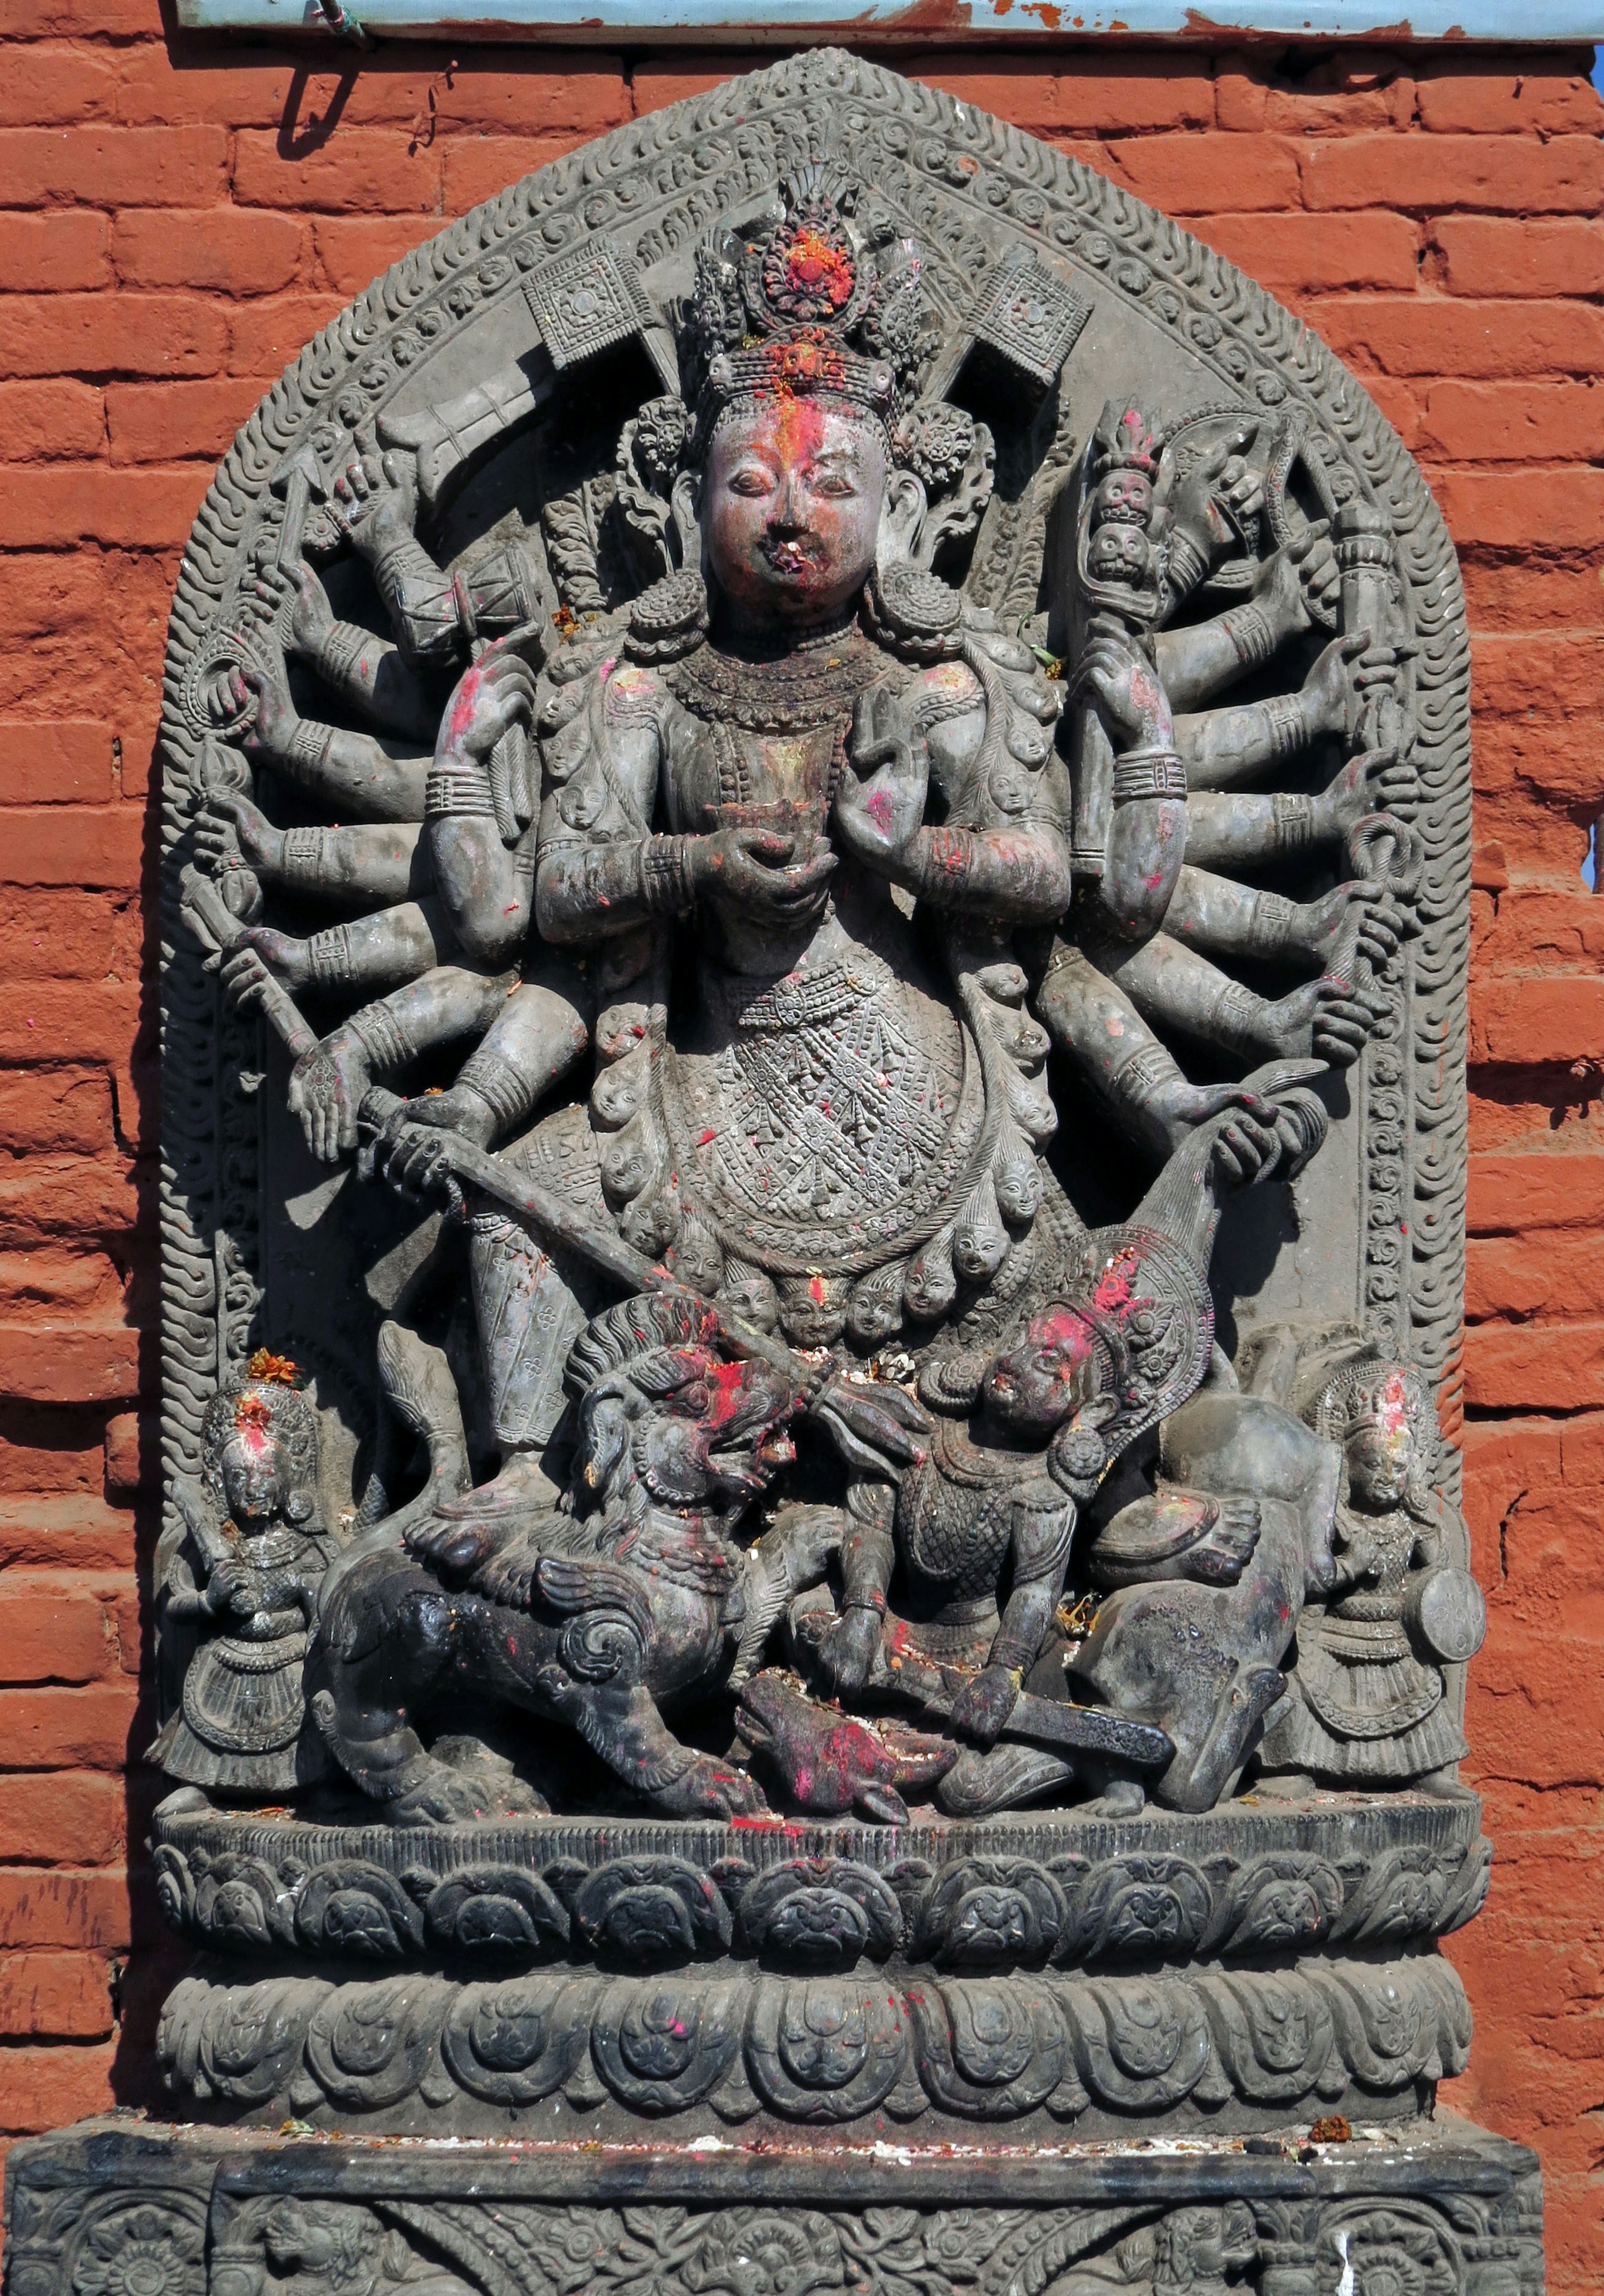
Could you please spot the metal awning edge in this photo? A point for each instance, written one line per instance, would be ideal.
(1560, 22)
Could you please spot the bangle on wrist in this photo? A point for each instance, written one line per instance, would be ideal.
(1138, 1082)
(303, 860)
(945, 866)
(505, 1091)
(463, 788)
(1232, 1021)
(1288, 729)
(1148, 773)
(1293, 822)
(308, 746)
(1271, 922)
(666, 879)
(329, 957)
(1187, 563)
(1252, 635)
(383, 1040)
(340, 649)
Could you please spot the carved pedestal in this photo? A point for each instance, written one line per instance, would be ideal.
(1039, 2053)
(1026, 1980)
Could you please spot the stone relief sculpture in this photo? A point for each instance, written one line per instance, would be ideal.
(836, 1137)
(817, 802)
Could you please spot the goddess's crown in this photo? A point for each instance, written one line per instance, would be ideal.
(805, 303)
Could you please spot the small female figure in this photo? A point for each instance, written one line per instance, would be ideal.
(245, 1568)
(1367, 1704)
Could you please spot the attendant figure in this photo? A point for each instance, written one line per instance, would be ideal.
(244, 1567)
(1367, 1704)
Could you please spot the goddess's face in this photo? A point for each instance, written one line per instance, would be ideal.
(794, 491)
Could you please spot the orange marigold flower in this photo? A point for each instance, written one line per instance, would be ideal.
(265, 1365)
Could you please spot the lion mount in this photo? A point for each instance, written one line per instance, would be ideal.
(811, 1617)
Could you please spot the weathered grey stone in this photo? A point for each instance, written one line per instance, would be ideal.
(830, 1544)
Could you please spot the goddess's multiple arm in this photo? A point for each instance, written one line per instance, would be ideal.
(978, 733)
(1138, 965)
(443, 901)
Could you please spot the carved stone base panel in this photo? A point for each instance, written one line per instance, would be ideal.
(1032, 1974)
(707, 2048)
(119, 2209)
(1337, 1872)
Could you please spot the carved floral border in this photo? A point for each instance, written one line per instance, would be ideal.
(1161, 2049)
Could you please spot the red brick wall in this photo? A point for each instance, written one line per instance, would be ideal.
(181, 216)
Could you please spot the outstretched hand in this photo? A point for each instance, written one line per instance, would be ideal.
(1116, 674)
(1328, 692)
(262, 954)
(1220, 494)
(880, 805)
(498, 693)
(310, 617)
(326, 1085)
(1302, 583)
(267, 715)
(234, 833)
(376, 498)
(1378, 782)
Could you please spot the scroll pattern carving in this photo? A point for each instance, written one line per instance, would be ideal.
(827, 2050)
(972, 1914)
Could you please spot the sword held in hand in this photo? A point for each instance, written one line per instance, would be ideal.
(221, 935)
(559, 1227)
(1067, 1729)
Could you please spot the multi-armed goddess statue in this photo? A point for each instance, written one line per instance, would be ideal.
(818, 801)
